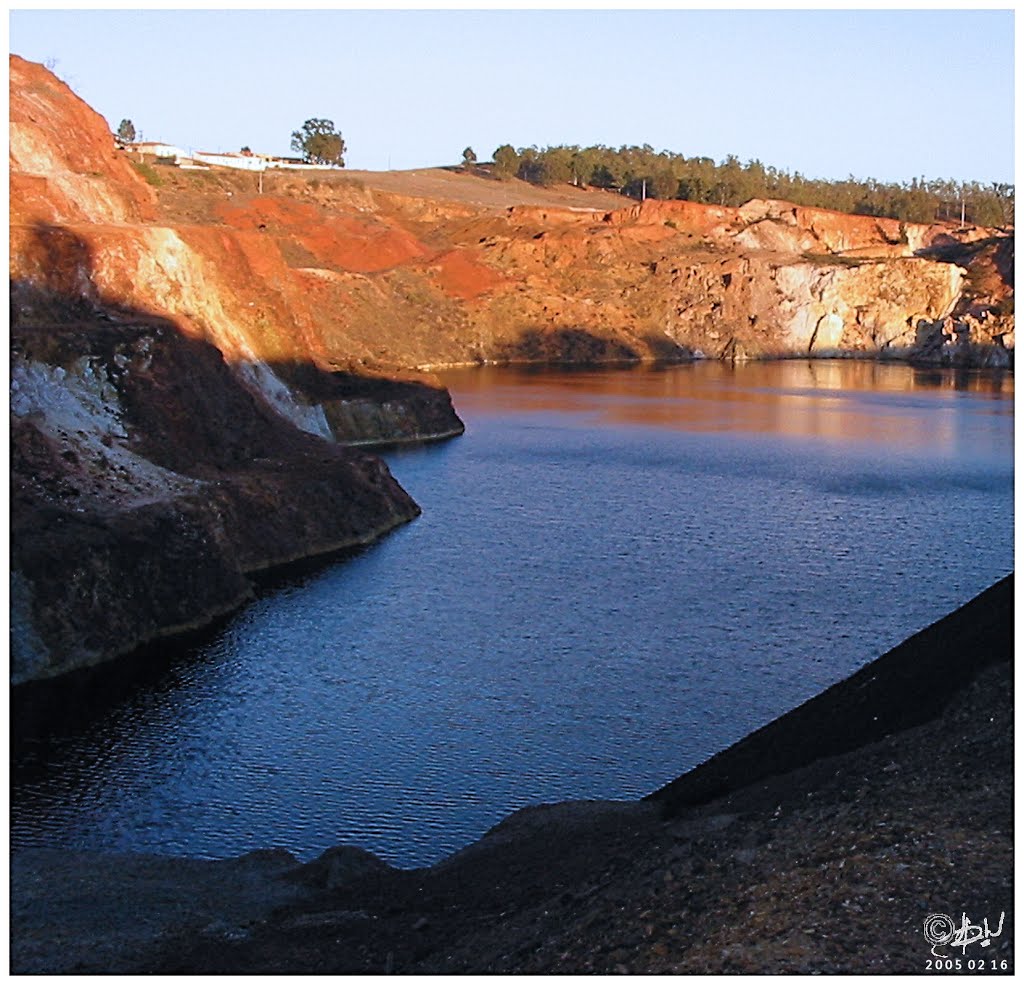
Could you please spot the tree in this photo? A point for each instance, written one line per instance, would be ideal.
(640, 171)
(126, 132)
(319, 143)
(662, 183)
(468, 158)
(531, 168)
(506, 161)
(603, 177)
(582, 165)
(556, 165)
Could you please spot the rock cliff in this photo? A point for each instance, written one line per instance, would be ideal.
(161, 447)
(147, 481)
(191, 349)
(383, 273)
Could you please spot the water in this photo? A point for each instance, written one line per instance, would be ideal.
(616, 575)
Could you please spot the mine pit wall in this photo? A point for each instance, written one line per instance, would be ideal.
(147, 483)
(203, 280)
(576, 290)
(345, 277)
(758, 307)
(374, 423)
(236, 289)
(190, 384)
(679, 281)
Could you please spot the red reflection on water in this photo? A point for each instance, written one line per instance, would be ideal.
(835, 399)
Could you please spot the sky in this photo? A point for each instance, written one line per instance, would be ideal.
(884, 94)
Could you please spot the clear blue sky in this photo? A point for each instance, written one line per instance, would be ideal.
(873, 93)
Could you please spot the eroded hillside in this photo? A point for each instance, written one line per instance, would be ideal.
(363, 272)
(163, 445)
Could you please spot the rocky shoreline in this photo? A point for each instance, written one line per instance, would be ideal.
(148, 482)
(819, 844)
(976, 357)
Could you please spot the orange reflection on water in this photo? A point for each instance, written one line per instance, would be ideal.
(833, 400)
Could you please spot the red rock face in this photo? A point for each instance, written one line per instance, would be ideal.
(461, 274)
(64, 166)
(336, 272)
(362, 244)
(171, 426)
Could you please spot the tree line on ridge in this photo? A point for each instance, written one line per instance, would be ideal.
(642, 172)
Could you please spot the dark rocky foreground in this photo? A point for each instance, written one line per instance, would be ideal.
(819, 844)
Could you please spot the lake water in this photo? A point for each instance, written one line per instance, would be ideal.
(616, 574)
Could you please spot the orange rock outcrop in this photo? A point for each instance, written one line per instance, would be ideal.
(330, 270)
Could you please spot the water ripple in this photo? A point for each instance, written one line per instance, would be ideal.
(589, 605)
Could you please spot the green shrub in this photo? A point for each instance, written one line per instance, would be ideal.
(147, 172)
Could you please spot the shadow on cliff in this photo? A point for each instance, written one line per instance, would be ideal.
(998, 250)
(150, 479)
(582, 347)
(564, 345)
(60, 315)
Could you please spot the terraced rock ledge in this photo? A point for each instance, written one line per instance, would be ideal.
(819, 844)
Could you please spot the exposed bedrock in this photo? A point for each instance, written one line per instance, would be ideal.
(348, 275)
(147, 482)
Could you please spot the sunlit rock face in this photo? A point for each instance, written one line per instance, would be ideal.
(334, 273)
(63, 166)
(762, 307)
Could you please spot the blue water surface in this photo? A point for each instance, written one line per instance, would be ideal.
(616, 574)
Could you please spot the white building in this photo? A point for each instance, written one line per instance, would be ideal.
(157, 149)
(241, 162)
(237, 161)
